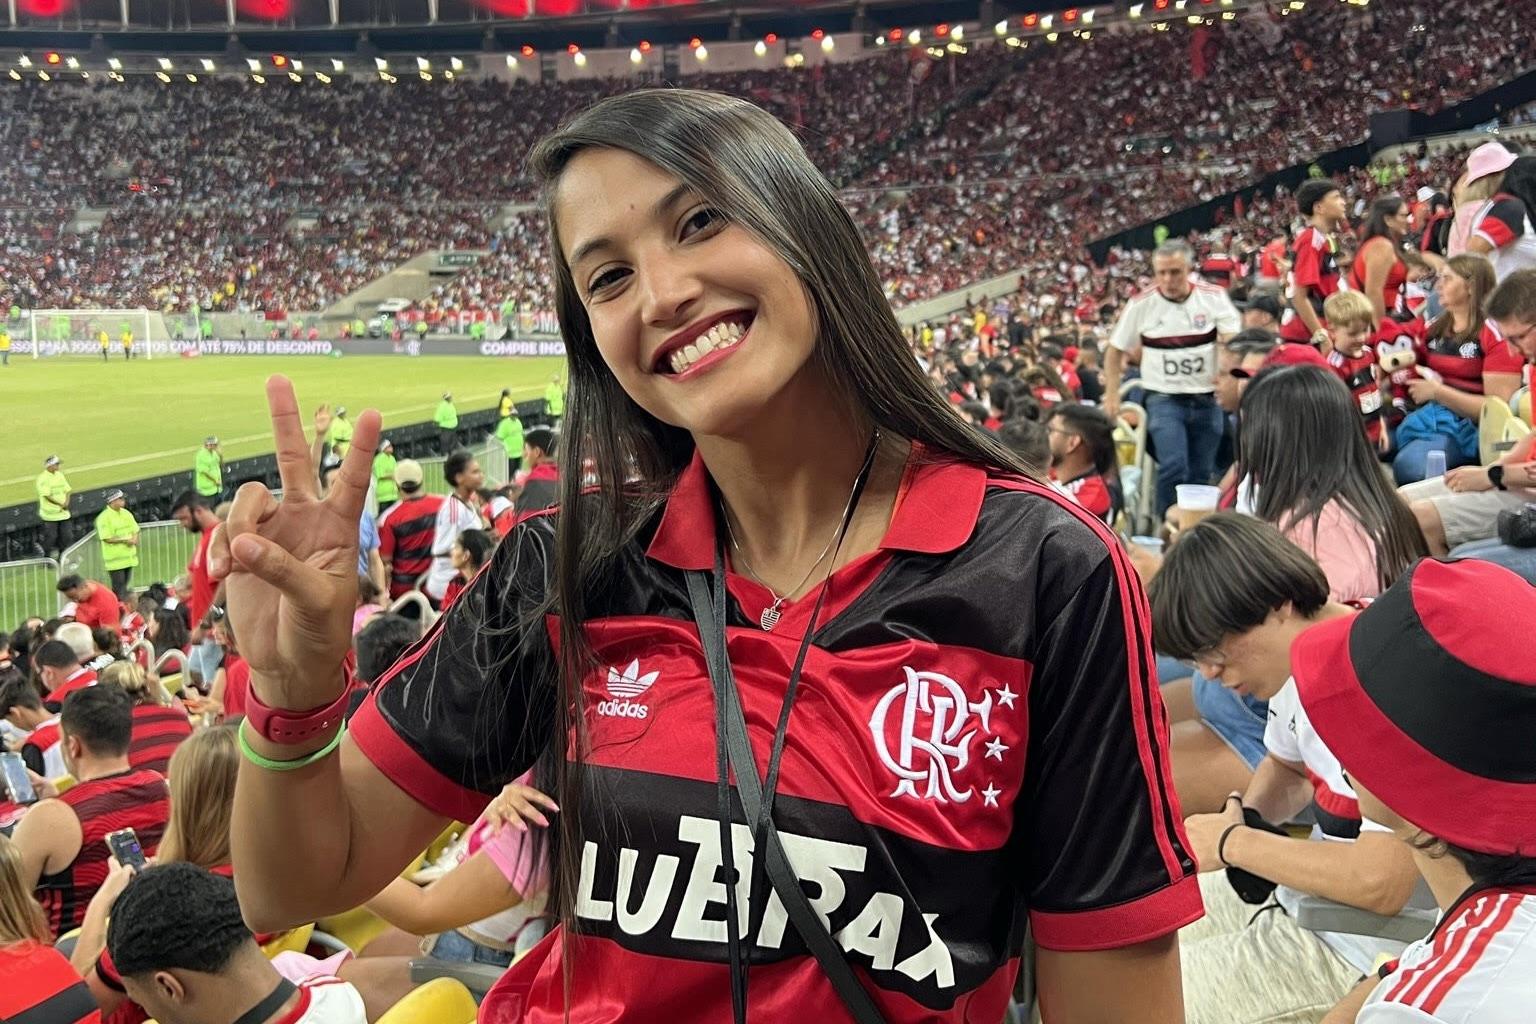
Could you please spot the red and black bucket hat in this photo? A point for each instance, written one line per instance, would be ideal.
(1428, 699)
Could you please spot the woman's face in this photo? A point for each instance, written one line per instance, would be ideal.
(458, 556)
(153, 628)
(1398, 222)
(700, 322)
(1452, 288)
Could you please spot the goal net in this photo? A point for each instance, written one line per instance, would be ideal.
(119, 333)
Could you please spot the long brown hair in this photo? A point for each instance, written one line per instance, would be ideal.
(21, 916)
(1302, 446)
(1478, 273)
(202, 780)
(755, 173)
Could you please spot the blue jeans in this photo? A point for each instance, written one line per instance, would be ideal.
(1238, 720)
(461, 949)
(1408, 466)
(1520, 561)
(1185, 432)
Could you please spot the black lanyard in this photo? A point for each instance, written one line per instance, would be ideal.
(734, 751)
(259, 1013)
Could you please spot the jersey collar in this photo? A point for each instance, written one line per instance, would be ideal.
(936, 511)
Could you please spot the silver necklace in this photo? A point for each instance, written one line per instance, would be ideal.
(773, 612)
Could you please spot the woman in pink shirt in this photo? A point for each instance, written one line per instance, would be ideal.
(491, 904)
(1310, 470)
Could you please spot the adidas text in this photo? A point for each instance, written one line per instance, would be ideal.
(622, 709)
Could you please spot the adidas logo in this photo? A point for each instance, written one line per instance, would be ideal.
(631, 683)
(625, 686)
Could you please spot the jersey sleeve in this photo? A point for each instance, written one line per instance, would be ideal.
(1228, 319)
(386, 537)
(1127, 336)
(1503, 223)
(1393, 1013)
(471, 706)
(1499, 356)
(1106, 863)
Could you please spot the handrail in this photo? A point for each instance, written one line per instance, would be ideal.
(424, 606)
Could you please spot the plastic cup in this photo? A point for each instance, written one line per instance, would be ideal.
(1434, 464)
(1153, 545)
(1195, 502)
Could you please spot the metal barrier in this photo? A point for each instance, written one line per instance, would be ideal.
(29, 588)
(165, 548)
(492, 456)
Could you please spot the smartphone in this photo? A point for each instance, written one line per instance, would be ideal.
(18, 785)
(124, 845)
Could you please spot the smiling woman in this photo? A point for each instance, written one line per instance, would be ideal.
(778, 557)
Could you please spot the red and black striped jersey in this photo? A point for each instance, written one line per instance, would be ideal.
(978, 744)
(1314, 264)
(42, 988)
(1360, 375)
(1463, 363)
(405, 539)
(157, 732)
(136, 799)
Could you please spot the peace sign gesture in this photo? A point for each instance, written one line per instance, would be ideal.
(290, 566)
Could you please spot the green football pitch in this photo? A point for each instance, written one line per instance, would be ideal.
(120, 421)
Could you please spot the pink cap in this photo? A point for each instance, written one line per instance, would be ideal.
(1489, 158)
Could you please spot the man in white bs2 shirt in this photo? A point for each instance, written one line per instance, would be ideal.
(1174, 327)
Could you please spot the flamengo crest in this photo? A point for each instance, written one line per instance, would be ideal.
(934, 744)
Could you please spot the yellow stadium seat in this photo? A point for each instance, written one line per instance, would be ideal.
(439, 1001)
(355, 928)
(448, 835)
(1498, 428)
(294, 940)
(171, 684)
(63, 782)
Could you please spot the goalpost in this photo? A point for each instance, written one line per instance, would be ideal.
(77, 332)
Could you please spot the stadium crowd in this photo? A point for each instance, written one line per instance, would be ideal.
(971, 172)
(1329, 387)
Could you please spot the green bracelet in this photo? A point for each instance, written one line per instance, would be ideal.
(287, 766)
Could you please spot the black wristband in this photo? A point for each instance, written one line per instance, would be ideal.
(1221, 845)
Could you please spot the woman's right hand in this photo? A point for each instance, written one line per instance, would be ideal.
(290, 566)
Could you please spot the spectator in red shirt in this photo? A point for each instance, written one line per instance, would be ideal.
(59, 668)
(1352, 323)
(1315, 275)
(541, 487)
(63, 837)
(232, 682)
(405, 530)
(95, 605)
(470, 552)
(195, 513)
(1083, 457)
(160, 723)
(1379, 271)
(40, 985)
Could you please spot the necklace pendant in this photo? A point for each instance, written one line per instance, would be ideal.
(769, 618)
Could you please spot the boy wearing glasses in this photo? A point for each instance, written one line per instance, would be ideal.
(1231, 597)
